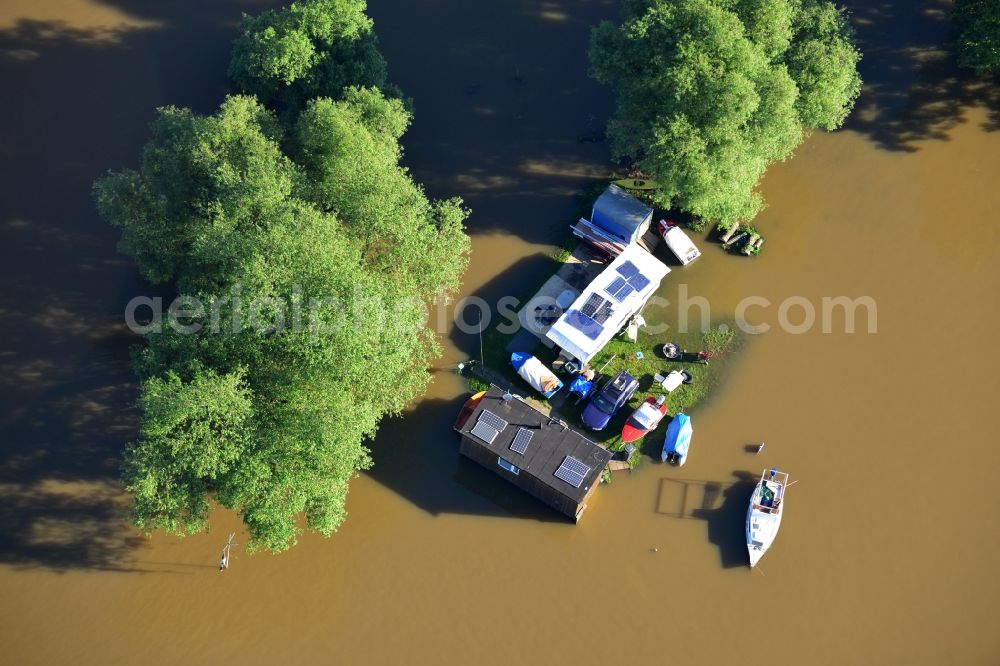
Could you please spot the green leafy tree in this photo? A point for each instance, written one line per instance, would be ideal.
(978, 23)
(406, 236)
(314, 48)
(204, 182)
(270, 417)
(711, 92)
(191, 432)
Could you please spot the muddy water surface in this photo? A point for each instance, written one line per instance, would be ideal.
(887, 550)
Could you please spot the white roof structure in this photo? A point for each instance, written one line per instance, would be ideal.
(606, 304)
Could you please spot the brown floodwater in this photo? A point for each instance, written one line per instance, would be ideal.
(887, 553)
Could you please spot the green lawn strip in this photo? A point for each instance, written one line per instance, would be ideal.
(723, 340)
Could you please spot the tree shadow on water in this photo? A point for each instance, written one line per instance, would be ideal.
(61, 505)
(722, 505)
(519, 281)
(417, 456)
(78, 102)
(914, 89)
(505, 111)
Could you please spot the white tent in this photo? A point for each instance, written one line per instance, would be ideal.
(606, 305)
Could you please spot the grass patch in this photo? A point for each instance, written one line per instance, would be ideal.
(722, 340)
(473, 381)
(620, 354)
(562, 255)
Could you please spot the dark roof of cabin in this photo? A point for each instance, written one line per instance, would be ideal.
(550, 443)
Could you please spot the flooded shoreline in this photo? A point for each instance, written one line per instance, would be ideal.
(886, 551)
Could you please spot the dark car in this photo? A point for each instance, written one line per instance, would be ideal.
(608, 400)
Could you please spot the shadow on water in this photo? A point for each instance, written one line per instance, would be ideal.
(502, 104)
(506, 115)
(913, 87)
(432, 474)
(722, 505)
(78, 102)
(519, 281)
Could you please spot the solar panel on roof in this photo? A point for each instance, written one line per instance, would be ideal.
(615, 285)
(639, 281)
(584, 324)
(593, 305)
(485, 431)
(628, 269)
(619, 289)
(576, 465)
(492, 420)
(569, 477)
(521, 440)
(603, 313)
(624, 293)
(572, 471)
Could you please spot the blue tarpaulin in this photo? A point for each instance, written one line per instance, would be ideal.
(678, 437)
(581, 386)
(517, 359)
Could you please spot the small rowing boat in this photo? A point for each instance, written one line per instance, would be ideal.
(635, 183)
(467, 409)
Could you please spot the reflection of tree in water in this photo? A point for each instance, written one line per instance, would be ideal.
(722, 505)
(914, 89)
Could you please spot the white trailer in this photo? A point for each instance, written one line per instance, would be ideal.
(678, 242)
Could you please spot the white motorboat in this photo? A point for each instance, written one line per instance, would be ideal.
(764, 515)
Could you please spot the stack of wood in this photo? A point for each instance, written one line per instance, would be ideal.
(750, 239)
(753, 245)
(598, 238)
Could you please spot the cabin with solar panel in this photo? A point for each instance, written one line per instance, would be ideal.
(537, 453)
(607, 304)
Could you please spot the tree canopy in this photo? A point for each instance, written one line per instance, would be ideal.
(309, 49)
(978, 23)
(307, 257)
(711, 92)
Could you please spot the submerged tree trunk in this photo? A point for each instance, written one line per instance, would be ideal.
(729, 233)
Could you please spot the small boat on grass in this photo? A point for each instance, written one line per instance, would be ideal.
(535, 373)
(764, 514)
(636, 183)
(467, 409)
(644, 419)
(678, 440)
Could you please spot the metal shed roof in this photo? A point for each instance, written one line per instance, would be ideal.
(619, 212)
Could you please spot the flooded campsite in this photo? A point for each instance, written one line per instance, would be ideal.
(884, 423)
